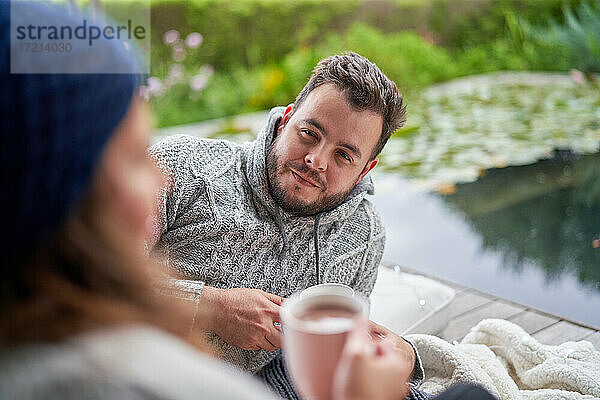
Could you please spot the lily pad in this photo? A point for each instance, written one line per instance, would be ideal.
(493, 121)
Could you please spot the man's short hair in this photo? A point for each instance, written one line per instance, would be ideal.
(366, 88)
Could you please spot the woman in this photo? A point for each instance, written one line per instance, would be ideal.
(80, 317)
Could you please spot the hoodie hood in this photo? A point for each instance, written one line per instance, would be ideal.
(256, 174)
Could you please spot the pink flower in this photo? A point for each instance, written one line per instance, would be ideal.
(577, 76)
(193, 40)
(153, 87)
(154, 84)
(170, 36)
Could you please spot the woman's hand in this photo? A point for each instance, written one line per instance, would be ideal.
(371, 369)
(405, 350)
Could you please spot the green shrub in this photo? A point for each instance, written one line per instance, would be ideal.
(574, 43)
(465, 23)
(263, 52)
(405, 57)
(226, 94)
(497, 56)
(580, 34)
(248, 33)
(252, 33)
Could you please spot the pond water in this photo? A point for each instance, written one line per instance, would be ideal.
(530, 234)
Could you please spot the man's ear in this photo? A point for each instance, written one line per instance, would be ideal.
(370, 165)
(286, 117)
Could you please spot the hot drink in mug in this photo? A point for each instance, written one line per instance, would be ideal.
(315, 328)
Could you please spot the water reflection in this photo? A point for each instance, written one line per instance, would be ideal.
(526, 234)
(546, 214)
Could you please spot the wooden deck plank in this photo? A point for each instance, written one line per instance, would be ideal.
(594, 338)
(532, 321)
(471, 306)
(458, 288)
(460, 326)
(466, 301)
(561, 332)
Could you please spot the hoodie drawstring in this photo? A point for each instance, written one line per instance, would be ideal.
(316, 240)
(285, 247)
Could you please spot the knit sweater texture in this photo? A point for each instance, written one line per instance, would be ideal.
(133, 362)
(220, 226)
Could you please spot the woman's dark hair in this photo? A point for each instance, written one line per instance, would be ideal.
(64, 269)
(86, 277)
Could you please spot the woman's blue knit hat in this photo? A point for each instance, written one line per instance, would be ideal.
(53, 128)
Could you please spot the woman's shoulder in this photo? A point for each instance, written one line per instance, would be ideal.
(130, 362)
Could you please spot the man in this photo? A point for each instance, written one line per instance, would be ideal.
(249, 225)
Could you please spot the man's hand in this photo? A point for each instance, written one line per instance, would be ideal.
(380, 333)
(244, 317)
(370, 369)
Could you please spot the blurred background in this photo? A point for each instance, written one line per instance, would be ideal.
(494, 182)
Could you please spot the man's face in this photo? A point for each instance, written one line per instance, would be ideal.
(321, 151)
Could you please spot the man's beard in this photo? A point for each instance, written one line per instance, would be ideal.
(286, 200)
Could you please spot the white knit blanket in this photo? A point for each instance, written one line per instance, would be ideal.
(507, 361)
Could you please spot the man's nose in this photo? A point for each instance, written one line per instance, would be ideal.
(316, 160)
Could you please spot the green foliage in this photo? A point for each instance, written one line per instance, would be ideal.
(226, 94)
(251, 33)
(263, 52)
(465, 23)
(406, 58)
(574, 43)
(580, 34)
(248, 33)
(499, 55)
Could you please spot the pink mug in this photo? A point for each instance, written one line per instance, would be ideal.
(315, 328)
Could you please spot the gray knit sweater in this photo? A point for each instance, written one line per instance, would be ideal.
(126, 363)
(220, 226)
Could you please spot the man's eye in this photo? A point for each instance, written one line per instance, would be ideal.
(308, 133)
(345, 156)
